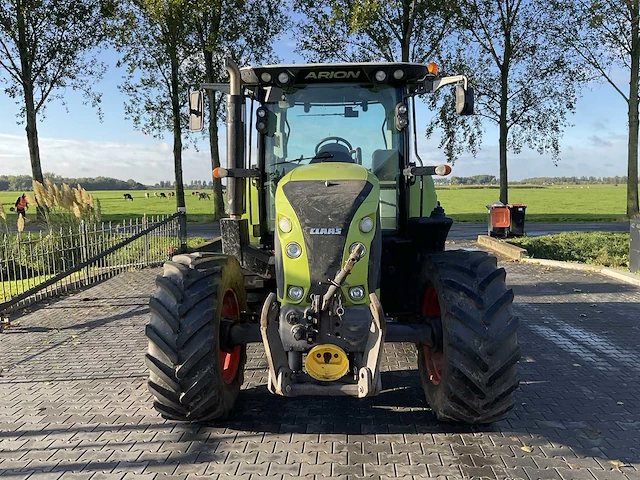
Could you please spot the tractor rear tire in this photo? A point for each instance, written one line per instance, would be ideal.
(471, 375)
(190, 378)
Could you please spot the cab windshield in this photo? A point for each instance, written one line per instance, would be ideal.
(336, 123)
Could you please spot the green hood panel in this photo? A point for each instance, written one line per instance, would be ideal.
(328, 171)
(325, 203)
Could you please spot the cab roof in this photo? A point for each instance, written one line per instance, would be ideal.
(399, 73)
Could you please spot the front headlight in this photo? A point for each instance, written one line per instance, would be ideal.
(285, 224)
(293, 250)
(356, 293)
(366, 224)
(294, 292)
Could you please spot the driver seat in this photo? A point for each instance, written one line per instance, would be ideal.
(339, 153)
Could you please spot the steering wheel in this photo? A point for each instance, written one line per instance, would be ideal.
(337, 140)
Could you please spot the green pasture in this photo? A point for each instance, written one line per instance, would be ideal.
(115, 208)
(562, 203)
(574, 203)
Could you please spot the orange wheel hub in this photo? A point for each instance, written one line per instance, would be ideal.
(230, 361)
(432, 359)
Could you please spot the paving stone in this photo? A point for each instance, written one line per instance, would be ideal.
(278, 469)
(408, 470)
(612, 475)
(257, 469)
(76, 476)
(346, 470)
(542, 474)
(581, 474)
(107, 476)
(307, 470)
(439, 470)
(372, 469)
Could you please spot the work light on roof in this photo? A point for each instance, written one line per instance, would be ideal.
(283, 77)
(265, 77)
(398, 74)
(381, 76)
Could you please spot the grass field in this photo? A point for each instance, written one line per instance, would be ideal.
(579, 203)
(575, 203)
(115, 208)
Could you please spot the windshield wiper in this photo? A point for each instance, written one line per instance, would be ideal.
(322, 155)
(321, 115)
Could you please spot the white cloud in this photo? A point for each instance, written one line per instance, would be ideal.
(147, 163)
(604, 155)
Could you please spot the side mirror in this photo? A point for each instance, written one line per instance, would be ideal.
(464, 100)
(196, 111)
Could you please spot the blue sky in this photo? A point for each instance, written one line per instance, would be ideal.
(74, 143)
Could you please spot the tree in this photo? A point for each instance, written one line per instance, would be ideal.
(525, 82)
(155, 45)
(370, 30)
(47, 46)
(394, 31)
(242, 30)
(605, 34)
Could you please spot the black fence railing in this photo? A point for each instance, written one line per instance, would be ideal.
(39, 265)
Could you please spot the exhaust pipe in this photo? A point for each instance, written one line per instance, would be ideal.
(235, 141)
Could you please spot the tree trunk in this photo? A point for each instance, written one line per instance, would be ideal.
(218, 200)
(177, 145)
(632, 168)
(26, 62)
(32, 134)
(504, 132)
(408, 18)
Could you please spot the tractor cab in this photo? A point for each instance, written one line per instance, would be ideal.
(315, 122)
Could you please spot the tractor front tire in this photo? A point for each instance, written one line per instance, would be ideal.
(190, 377)
(471, 375)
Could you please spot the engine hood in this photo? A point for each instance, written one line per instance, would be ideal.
(328, 171)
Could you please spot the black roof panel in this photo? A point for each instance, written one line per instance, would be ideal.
(398, 73)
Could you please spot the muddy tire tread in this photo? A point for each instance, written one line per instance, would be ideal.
(480, 335)
(185, 378)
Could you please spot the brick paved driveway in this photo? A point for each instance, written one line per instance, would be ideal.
(74, 401)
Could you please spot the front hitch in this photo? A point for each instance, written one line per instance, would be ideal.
(282, 379)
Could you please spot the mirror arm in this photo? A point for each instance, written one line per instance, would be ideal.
(441, 82)
(218, 87)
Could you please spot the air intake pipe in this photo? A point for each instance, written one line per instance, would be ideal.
(235, 140)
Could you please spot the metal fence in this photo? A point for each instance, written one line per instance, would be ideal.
(44, 264)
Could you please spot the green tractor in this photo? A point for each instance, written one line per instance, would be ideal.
(334, 245)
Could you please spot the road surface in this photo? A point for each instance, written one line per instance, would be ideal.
(75, 403)
(465, 231)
